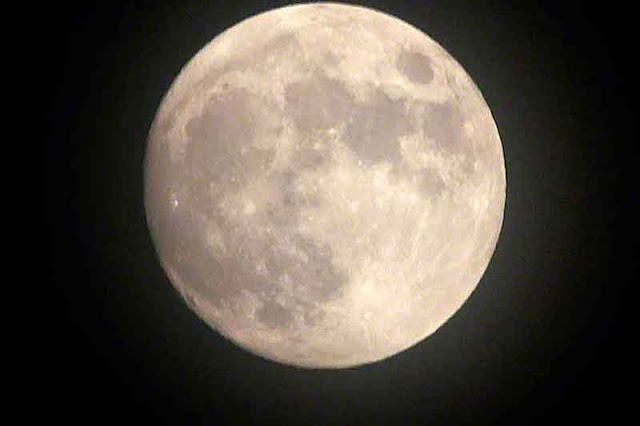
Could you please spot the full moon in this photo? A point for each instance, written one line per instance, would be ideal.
(324, 185)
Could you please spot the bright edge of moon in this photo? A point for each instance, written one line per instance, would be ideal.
(324, 185)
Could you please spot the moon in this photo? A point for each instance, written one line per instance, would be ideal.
(324, 185)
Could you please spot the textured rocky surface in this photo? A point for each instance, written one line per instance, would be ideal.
(325, 185)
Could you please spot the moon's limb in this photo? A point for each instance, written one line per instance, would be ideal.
(325, 185)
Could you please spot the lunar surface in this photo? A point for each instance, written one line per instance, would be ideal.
(324, 185)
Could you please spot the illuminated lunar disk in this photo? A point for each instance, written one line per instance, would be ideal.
(324, 185)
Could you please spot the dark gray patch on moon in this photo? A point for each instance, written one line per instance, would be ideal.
(282, 211)
(375, 127)
(217, 136)
(415, 66)
(324, 279)
(330, 59)
(313, 317)
(311, 273)
(309, 158)
(317, 102)
(277, 45)
(443, 123)
(430, 184)
(273, 315)
(220, 149)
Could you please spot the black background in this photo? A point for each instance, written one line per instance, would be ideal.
(546, 336)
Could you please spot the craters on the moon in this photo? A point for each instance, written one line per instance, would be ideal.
(285, 274)
(416, 66)
(284, 271)
(290, 279)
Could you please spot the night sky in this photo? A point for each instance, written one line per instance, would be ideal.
(545, 337)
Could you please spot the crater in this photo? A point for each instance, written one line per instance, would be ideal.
(317, 103)
(375, 128)
(415, 66)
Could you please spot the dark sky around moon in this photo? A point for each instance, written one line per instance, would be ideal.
(546, 333)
